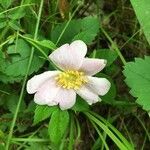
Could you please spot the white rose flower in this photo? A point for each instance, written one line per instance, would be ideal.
(60, 87)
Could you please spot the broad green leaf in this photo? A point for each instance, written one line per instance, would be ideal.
(88, 34)
(9, 98)
(3, 23)
(18, 57)
(1, 134)
(31, 106)
(69, 33)
(46, 43)
(137, 75)
(14, 25)
(80, 105)
(43, 133)
(11, 102)
(58, 125)
(21, 127)
(43, 43)
(37, 146)
(109, 55)
(43, 112)
(17, 13)
(142, 10)
(7, 119)
(2, 146)
(85, 36)
(84, 29)
(9, 79)
(6, 3)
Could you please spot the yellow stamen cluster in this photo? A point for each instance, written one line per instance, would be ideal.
(71, 79)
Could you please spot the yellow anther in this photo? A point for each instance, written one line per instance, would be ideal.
(71, 79)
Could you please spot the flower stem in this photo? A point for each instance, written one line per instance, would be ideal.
(115, 47)
(30, 140)
(67, 24)
(25, 79)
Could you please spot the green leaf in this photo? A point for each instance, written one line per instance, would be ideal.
(37, 146)
(79, 29)
(108, 54)
(7, 118)
(142, 10)
(9, 79)
(58, 125)
(21, 127)
(6, 3)
(2, 146)
(138, 79)
(69, 33)
(31, 106)
(14, 25)
(2, 135)
(17, 13)
(18, 57)
(85, 36)
(43, 112)
(80, 105)
(46, 43)
(12, 101)
(3, 23)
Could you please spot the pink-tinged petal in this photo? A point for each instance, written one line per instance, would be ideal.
(46, 93)
(91, 66)
(99, 85)
(35, 82)
(66, 98)
(79, 47)
(88, 95)
(69, 57)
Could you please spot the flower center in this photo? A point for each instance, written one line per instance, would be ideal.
(71, 79)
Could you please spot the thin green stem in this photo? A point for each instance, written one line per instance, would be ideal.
(1, 45)
(35, 41)
(71, 136)
(25, 79)
(108, 132)
(78, 129)
(22, 1)
(114, 45)
(18, 143)
(109, 125)
(30, 140)
(142, 124)
(143, 145)
(67, 24)
(100, 135)
(25, 5)
(4, 92)
(131, 141)
(30, 137)
(3, 33)
(94, 54)
(38, 48)
(130, 38)
(56, 6)
(104, 134)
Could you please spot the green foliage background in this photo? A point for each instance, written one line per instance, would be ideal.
(115, 30)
